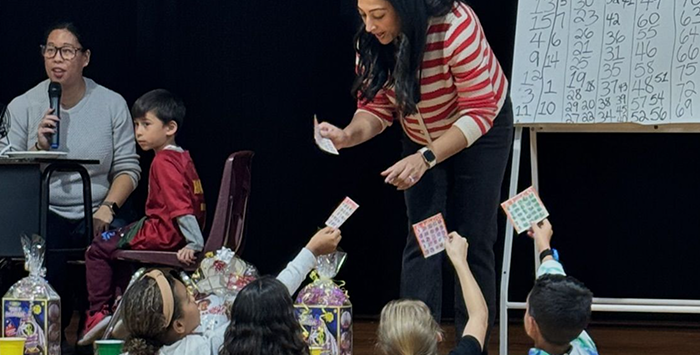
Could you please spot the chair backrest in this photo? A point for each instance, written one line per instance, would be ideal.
(232, 204)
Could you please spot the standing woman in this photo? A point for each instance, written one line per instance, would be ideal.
(427, 64)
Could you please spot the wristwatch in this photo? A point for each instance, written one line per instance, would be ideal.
(547, 252)
(428, 156)
(112, 207)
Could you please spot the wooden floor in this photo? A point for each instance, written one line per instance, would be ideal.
(661, 339)
(611, 340)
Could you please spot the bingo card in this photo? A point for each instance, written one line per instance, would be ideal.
(431, 234)
(342, 213)
(524, 209)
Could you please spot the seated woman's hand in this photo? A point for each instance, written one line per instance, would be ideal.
(47, 128)
(101, 220)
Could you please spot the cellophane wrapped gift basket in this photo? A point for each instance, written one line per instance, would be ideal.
(324, 310)
(31, 308)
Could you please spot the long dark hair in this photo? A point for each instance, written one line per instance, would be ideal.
(263, 322)
(381, 66)
(143, 310)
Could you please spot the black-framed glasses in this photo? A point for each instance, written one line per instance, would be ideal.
(67, 52)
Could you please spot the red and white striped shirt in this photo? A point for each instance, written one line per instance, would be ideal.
(462, 82)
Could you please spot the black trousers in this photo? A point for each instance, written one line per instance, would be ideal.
(466, 189)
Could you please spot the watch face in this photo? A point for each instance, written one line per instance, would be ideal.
(429, 156)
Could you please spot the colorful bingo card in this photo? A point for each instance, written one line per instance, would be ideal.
(341, 214)
(524, 209)
(431, 234)
(325, 144)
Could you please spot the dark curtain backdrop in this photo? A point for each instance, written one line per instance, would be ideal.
(253, 73)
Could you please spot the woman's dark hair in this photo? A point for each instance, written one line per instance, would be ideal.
(70, 27)
(381, 66)
(263, 322)
(143, 316)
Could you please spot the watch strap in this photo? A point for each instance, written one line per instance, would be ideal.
(547, 252)
(113, 207)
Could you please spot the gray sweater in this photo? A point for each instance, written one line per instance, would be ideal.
(98, 127)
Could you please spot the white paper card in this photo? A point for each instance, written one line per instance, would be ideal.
(325, 144)
(342, 213)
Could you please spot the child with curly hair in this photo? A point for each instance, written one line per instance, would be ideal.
(160, 316)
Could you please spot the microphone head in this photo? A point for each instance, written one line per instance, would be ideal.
(54, 89)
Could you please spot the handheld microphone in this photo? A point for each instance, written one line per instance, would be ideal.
(55, 103)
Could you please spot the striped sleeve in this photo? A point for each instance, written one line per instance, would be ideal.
(380, 107)
(471, 65)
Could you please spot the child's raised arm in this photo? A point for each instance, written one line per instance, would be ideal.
(456, 248)
(542, 234)
(325, 241)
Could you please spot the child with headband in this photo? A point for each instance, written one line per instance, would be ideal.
(157, 325)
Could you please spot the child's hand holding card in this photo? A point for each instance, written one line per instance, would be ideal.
(431, 234)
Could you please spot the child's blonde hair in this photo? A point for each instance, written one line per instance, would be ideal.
(406, 327)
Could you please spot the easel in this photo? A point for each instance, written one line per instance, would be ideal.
(599, 304)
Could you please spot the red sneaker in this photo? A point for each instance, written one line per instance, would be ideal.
(95, 326)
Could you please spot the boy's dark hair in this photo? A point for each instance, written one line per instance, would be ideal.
(561, 306)
(70, 27)
(161, 103)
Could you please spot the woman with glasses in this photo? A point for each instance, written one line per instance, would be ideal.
(94, 124)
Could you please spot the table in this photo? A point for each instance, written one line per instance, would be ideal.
(24, 198)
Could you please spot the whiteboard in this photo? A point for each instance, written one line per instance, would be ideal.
(607, 61)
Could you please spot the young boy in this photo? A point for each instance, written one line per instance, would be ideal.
(558, 306)
(175, 209)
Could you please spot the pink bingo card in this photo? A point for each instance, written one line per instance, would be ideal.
(342, 213)
(431, 234)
